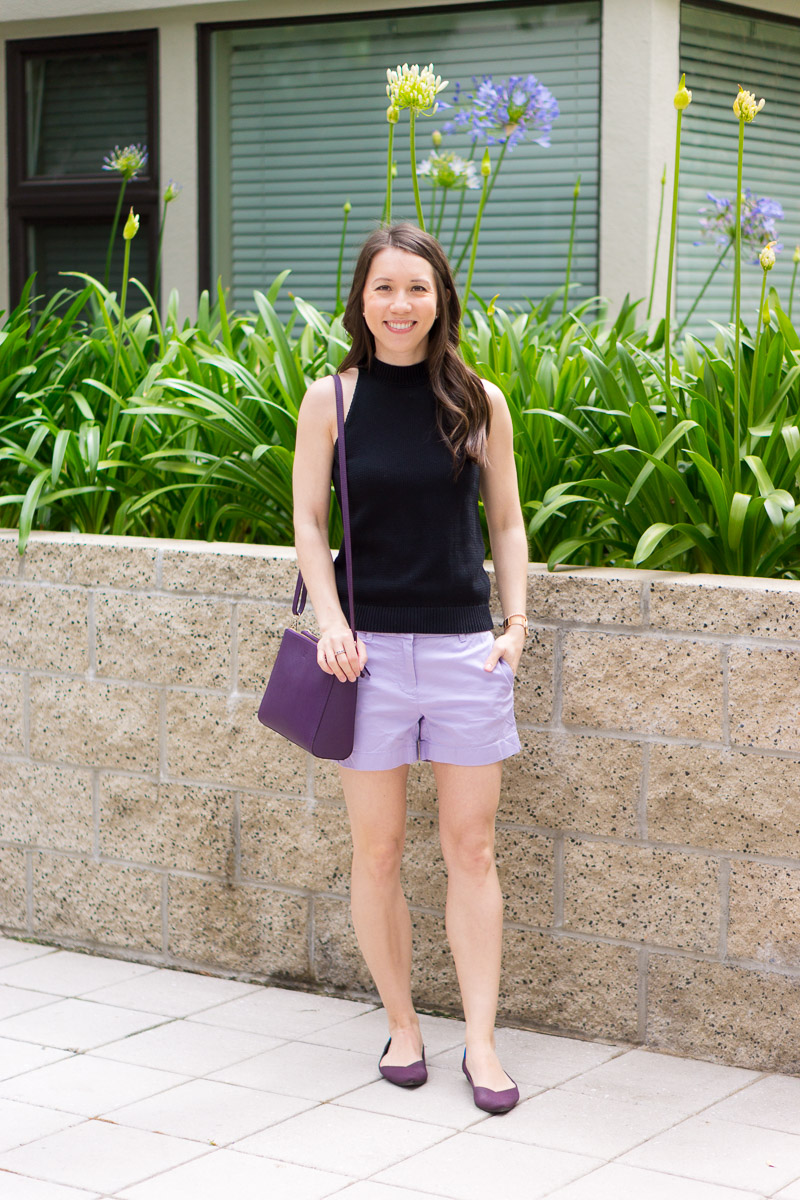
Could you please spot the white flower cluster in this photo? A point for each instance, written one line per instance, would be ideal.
(745, 105)
(449, 170)
(414, 87)
(129, 161)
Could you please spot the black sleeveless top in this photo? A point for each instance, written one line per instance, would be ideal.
(417, 542)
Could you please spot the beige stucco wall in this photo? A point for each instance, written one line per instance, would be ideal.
(648, 834)
(639, 76)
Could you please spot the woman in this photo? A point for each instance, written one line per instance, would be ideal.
(424, 434)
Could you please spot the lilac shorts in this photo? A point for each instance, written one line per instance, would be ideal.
(427, 696)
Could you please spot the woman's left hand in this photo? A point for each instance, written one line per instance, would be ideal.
(508, 645)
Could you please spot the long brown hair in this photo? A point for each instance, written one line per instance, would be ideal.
(463, 412)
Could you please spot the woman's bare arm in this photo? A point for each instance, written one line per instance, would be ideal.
(311, 482)
(507, 534)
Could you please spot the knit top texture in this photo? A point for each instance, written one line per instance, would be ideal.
(416, 534)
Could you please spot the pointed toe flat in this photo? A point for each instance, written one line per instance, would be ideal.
(489, 1101)
(414, 1075)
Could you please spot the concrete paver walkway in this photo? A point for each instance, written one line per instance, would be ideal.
(123, 1080)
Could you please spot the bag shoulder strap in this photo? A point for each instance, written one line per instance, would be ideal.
(300, 591)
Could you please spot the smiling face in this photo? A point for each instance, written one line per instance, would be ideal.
(400, 303)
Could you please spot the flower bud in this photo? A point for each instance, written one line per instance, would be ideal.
(745, 106)
(683, 97)
(491, 308)
(131, 226)
(796, 255)
(767, 257)
(394, 170)
(172, 191)
(486, 164)
(576, 191)
(436, 137)
(393, 114)
(346, 207)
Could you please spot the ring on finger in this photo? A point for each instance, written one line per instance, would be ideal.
(338, 652)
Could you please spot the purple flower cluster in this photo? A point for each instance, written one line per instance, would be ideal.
(504, 113)
(759, 214)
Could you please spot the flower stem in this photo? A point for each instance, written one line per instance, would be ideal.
(387, 204)
(752, 396)
(658, 241)
(492, 181)
(412, 146)
(737, 311)
(160, 246)
(670, 274)
(441, 212)
(702, 291)
(115, 223)
(123, 295)
(575, 195)
(451, 251)
(433, 203)
(339, 305)
(791, 290)
(475, 235)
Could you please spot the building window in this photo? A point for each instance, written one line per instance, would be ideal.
(294, 122)
(719, 50)
(71, 100)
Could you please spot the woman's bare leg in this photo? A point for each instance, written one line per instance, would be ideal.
(376, 804)
(468, 799)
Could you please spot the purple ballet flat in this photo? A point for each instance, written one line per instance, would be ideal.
(414, 1075)
(486, 1099)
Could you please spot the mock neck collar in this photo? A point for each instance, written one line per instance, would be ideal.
(412, 376)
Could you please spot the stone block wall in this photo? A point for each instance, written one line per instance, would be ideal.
(648, 835)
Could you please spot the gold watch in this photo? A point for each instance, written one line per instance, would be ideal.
(516, 619)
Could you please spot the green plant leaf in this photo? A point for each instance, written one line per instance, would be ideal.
(738, 512)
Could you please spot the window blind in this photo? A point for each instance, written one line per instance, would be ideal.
(300, 127)
(80, 106)
(719, 51)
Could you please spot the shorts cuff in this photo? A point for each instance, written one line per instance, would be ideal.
(385, 759)
(470, 756)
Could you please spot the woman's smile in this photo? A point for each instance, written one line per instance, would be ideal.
(399, 326)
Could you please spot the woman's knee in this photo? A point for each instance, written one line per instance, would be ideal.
(471, 854)
(380, 859)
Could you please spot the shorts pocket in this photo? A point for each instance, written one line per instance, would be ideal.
(504, 663)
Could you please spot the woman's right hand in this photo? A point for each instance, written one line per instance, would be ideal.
(344, 666)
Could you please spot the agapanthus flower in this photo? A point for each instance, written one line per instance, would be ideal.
(759, 214)
(745, 105)
(505, 112)
(449, 170)
(172, 191)
(128, 161)
(414, 87)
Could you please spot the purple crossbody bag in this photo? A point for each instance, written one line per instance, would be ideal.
(302, 702)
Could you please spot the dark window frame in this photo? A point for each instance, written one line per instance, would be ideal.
(87, 197)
